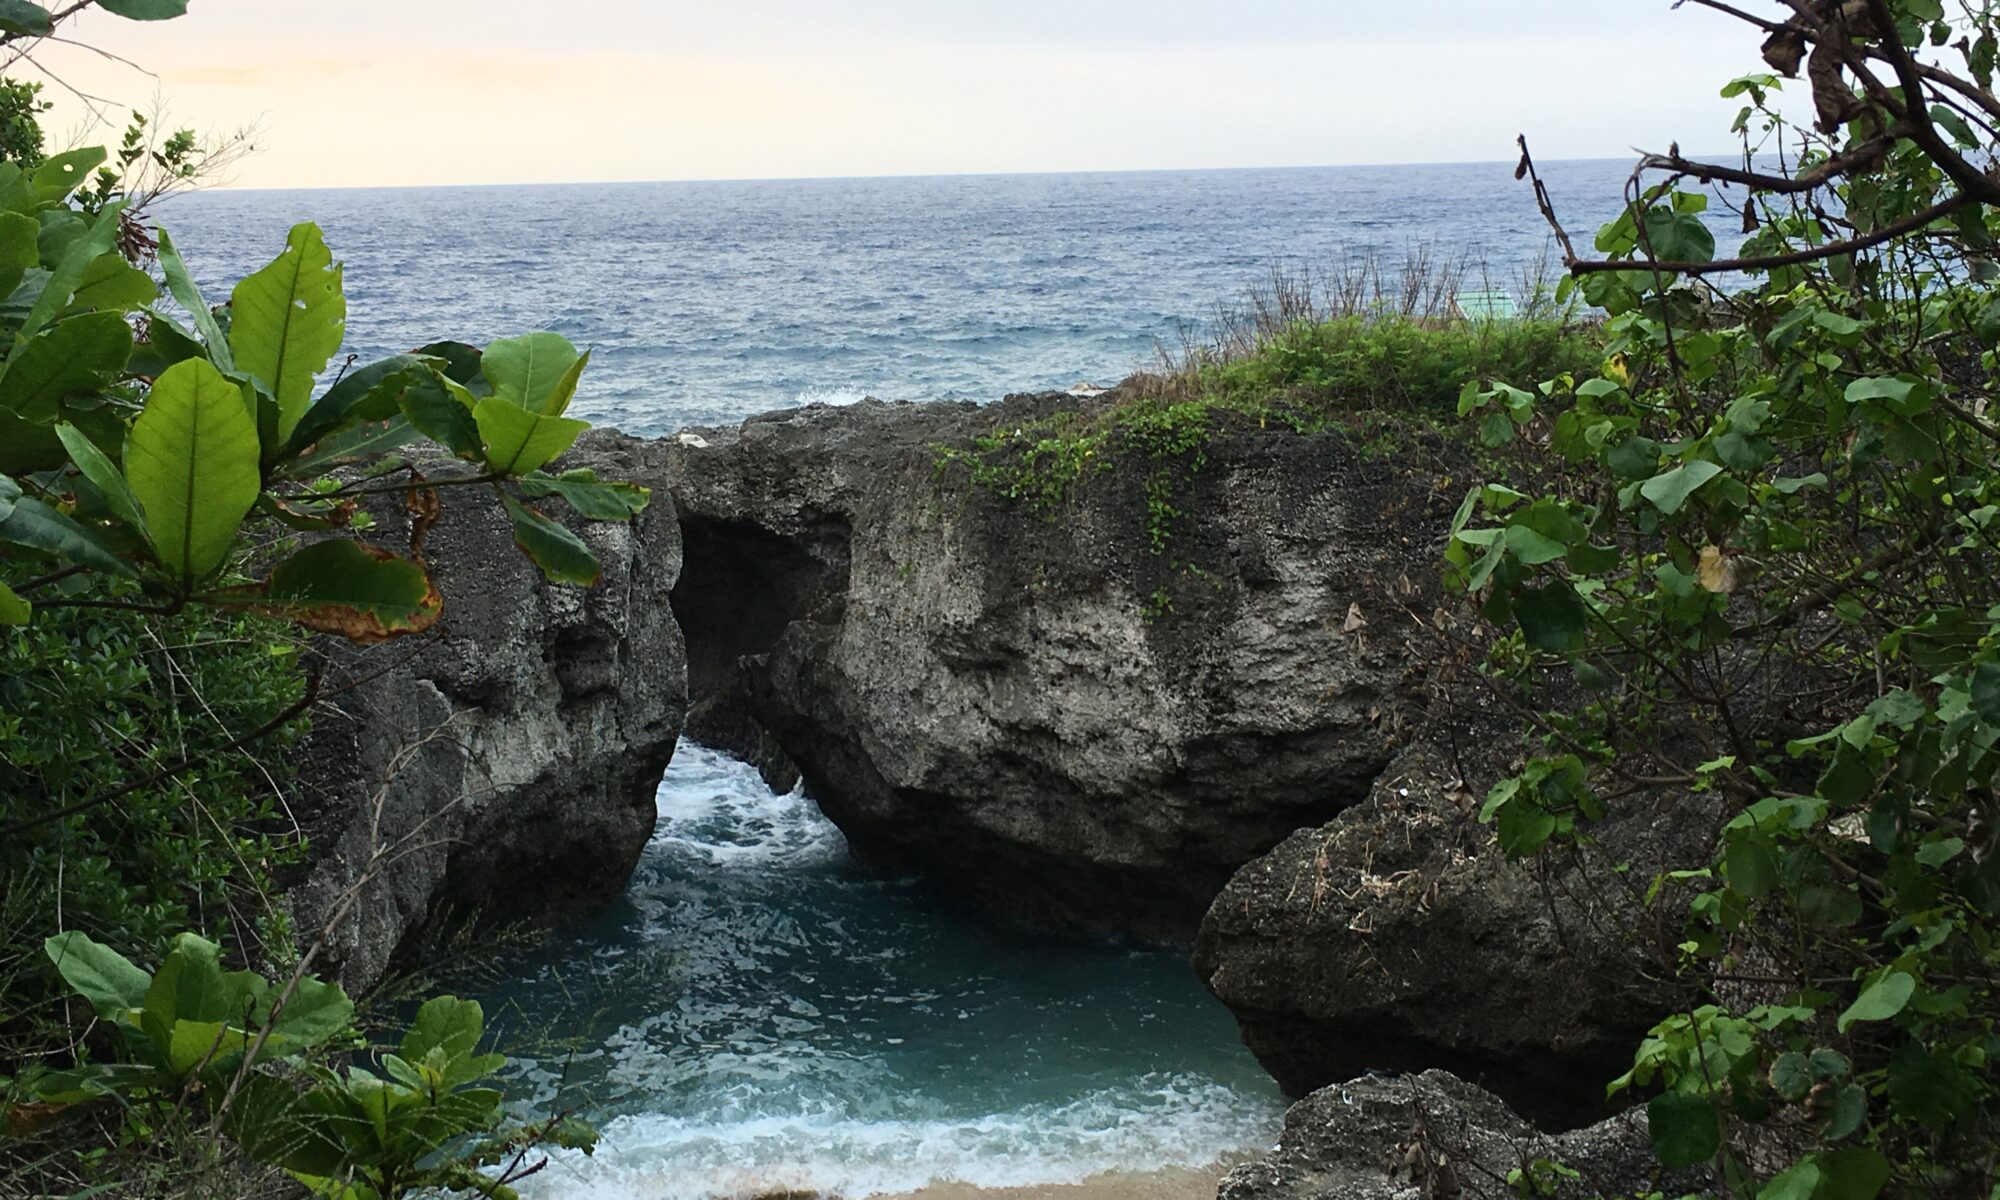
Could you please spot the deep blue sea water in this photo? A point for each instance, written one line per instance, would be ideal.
(707, 302)
(758, 1014)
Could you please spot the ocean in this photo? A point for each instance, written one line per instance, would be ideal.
(707, 302)
(758, 1014)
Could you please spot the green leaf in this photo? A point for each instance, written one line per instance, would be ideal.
(367, 393)
(1880, 1000)
(67, 275)
(99, 974)
(444, 1023)
(1796, 1183)
(13, 609)
(1791, 1076)
(1850, 1112)
(189, 986)
(110, 284)
(182, 286)
(316, 1011)
(536, 371)
(1986, 692)
(103, 475)
(145, 10)
(590, 498)
(518, 441)
(192, 464)
(363, 593)
(1856, 1173)
(70, 356)
(1684, 1129)
(1670, 489)
(288, 321)
(19, 16)
(560, 554)
(439, 416)
(1679, 237)
(1552, 617)
(1927, 1087)
(461, 361)
(32, 523)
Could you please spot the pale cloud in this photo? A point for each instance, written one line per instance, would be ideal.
(448, 91)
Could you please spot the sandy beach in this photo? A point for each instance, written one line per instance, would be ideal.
(1175, 1184)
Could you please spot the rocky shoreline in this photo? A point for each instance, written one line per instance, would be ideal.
(996, 697)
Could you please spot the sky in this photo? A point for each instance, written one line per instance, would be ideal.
(418, 92)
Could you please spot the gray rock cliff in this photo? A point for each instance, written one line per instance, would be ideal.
(501, 767)
(1039, 709)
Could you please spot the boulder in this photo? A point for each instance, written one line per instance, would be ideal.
(1398, 936)
(1084, 714)
(501, 767)
(1434, 1136)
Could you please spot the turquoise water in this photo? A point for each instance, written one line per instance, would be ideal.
(759, 1013)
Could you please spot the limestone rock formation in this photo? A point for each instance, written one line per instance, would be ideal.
(1398, 936)
(503, 766)
(1418, 1137)
(1050, 712)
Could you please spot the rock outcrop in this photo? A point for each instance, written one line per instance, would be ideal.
(1398, 936)
(1049, 712)
(1422, 1137)
(503, 766)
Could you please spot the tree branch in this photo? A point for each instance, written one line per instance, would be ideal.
(1889, 232)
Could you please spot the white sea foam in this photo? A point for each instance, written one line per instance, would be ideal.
(1156, 1123)
(715, 808)
(830, 395)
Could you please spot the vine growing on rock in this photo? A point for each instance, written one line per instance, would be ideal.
(1754, 555)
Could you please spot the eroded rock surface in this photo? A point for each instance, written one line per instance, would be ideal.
(1398, 936)
(1035, 707)
(503, 766)
(1421, 1137)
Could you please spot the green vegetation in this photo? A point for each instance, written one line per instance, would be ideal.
(182, 492)
(1374, 375)
(1759, 544)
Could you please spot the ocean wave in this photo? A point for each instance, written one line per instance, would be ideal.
(717, 809)
(1155, 1123)
(830, 395)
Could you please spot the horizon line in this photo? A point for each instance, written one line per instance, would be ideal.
(912, 175)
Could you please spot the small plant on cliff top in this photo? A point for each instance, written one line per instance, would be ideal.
(1764, 553)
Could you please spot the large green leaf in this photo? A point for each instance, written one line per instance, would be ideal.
(288, 321)
(192, 464)
(314, 1012)
(1684, 1129)
(437, 414)
(531, 370)
(61, 174)
(600, 501)
(190, 986)
(65, 278)
(19, 16)
(1880, 1000)
(110, 284)
(364, 394)
(444, 1023)
(518, 441)
(20, 237)
(363, 593)
(69, 356)
(1670, 489)
(1552, 616)
(182, 286)
(560, 554)
(145, 10)
(103, 474)
(33, 523)
(99, 974)
(13, 609)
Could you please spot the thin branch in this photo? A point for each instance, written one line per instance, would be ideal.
(1889, 232)
(165, 773)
